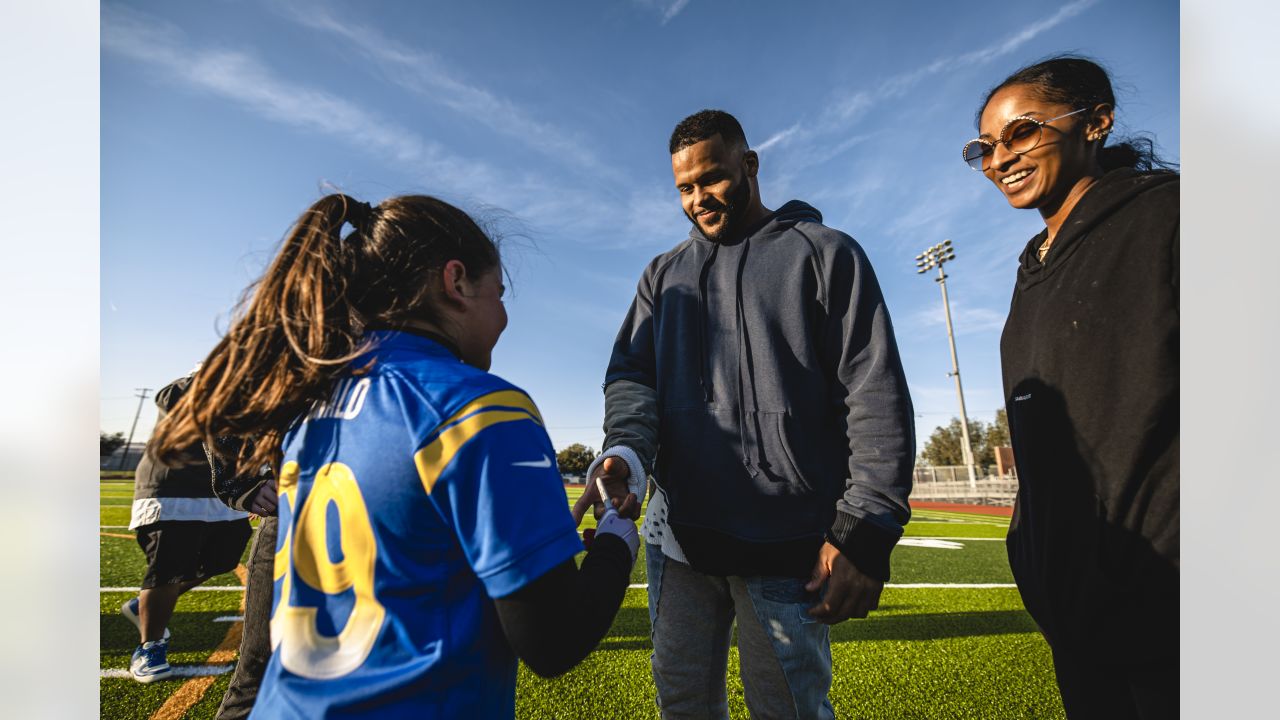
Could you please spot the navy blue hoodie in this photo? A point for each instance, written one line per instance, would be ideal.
(783, 416)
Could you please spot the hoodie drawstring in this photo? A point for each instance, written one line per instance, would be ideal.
(788, 215)
(744, 351)
(702, 322)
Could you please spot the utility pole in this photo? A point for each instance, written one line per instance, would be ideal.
(935, 256)
(142, 396)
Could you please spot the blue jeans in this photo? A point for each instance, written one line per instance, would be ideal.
(785, 656)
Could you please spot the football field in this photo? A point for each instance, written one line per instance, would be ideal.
(950, 640)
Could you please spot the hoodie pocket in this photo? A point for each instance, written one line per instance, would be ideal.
(775, 451)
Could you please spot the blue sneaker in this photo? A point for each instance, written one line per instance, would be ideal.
(130, 611)
(149, 662)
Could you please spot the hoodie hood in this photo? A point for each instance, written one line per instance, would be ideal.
(1113, 191)
(791, 212)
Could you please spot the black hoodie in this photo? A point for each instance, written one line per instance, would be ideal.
(1090, 363)
(783, 415)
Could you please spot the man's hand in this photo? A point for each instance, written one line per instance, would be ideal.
(850, 594)
(264, 501)
(614, 472)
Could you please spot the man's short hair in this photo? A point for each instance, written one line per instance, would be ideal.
(705, 124)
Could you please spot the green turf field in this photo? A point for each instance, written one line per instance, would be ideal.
(929, 652)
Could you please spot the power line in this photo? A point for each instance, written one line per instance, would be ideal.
(142, 395)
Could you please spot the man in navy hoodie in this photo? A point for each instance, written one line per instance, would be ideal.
(757, 378)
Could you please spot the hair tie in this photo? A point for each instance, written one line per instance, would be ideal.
(359, 214)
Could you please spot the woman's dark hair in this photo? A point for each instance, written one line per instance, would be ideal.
(302, 323)
(1081, 82)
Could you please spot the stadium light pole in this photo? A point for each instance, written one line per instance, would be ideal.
(124, 454)
(931, 258)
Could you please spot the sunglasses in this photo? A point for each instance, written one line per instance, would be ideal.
(1021, 135)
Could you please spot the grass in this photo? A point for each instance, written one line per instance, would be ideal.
(926, 653)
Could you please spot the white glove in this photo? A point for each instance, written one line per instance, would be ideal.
(613, 524)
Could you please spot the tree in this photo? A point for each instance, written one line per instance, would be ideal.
(998, 432)
(108, 444)
(946, 445)
(575, 459)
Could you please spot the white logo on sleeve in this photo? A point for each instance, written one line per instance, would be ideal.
(545, 462)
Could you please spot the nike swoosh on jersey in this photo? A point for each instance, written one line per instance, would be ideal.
(545, 462)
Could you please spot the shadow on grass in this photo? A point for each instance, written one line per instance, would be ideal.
(934, 626)
(630, 629)
(192, 632)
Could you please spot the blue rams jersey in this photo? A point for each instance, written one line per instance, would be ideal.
(420, 491)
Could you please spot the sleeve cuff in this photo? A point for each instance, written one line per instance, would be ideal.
(638, 483)
(518, 573)
(866, 545)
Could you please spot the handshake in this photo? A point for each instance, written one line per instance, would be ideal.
(613, 502)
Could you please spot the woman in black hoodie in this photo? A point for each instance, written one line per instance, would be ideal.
(1090, 364)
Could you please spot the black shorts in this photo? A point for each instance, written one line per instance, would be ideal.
(191, 550)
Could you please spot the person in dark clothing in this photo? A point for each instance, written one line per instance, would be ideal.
(256, 493)
(1090, 364)
(756, 376)
(186, 534)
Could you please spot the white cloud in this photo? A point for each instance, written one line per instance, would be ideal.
(429, 77)
(936, 402)
(778, 138)
(240, 77)
(927, 223)
(653, 217)
(1066, 12)
(672, 10)
(667, 9)
(605, 216)
(848, 106)
(964, 319)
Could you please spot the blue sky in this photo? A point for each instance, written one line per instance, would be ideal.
(221, 121)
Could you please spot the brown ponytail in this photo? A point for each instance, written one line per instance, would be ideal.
(303, 322)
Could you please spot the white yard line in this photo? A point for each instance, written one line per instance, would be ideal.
(931, 537)
(961, 516)
(632, 586)
(205, 588)
(956, 522)
(919, 516)
(178, 671)
(907, 586)
(949, 586)
(229, 618)
(126, 527)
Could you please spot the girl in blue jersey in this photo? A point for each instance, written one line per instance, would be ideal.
(425, 540)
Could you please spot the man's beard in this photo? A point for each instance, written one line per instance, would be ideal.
(734, 211)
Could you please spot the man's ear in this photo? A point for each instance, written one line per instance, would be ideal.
(751, 162)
